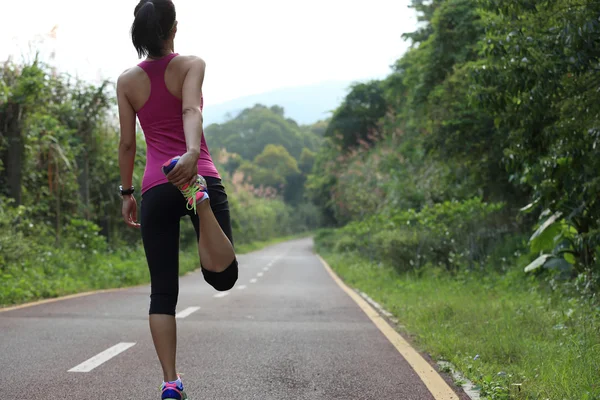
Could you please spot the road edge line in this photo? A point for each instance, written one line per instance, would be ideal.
(434, 382)
(61, 298)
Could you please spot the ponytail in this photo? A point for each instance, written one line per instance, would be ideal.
(153, 22)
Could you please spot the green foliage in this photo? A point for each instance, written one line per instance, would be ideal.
(277, 158)
(355, 121)
(255, 218)
(268, 151)
(259, 219)
(33, 266)
(307, 160)
(540, 85)
(254, 128)
(449, 234)
(495, 100)
(271, 168)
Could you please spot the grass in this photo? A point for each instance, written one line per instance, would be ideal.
(70, 272)
(513, 341)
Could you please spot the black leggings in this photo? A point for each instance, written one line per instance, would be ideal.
(162, 208)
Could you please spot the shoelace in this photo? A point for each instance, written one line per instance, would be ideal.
(190, 192)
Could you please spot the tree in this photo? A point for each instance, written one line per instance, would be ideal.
(540, 83)
(22, 90)
(357, 118)
(254, 128)
(307, 160)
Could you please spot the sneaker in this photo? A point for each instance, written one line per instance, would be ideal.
(195, 193)
(173, 390)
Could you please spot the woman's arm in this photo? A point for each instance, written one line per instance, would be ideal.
(186, 170)
(127, 145)
(127, 152)
(192, 104)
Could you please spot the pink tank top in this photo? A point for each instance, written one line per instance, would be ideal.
(162, 122)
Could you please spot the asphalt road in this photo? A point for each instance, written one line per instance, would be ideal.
(286, 331)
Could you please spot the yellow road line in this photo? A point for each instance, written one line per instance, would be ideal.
(55, 299)
(432, 380)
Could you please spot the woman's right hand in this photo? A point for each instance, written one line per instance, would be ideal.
(186, 170)
(129, 211)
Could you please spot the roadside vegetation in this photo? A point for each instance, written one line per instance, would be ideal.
(461, 192)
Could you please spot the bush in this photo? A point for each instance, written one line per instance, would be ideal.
(36, 263)
(448, 234)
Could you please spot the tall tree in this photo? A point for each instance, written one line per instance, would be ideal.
(357, 118)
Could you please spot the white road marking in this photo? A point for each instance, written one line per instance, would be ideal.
(273, 261)
(241, 287)
(221, 294)
(101, 358)
(253, 280)
(265, 268)
(186, 312)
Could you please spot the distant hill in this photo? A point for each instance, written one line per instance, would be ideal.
(304, 104)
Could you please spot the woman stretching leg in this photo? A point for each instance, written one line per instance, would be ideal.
(165, 92)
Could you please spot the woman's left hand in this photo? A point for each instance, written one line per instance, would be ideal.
(129, 211)
(186, 170)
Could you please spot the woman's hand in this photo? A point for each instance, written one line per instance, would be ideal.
(129, 211)
(186, 170)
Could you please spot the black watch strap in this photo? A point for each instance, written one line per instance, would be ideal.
(126, 192)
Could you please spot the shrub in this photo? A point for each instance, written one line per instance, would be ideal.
(448, 234)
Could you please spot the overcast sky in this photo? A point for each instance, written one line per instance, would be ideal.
(250, 46)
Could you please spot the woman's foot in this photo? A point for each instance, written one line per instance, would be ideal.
(195, 193)
(173, 390)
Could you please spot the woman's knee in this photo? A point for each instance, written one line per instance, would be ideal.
(224, 280)
(163, 303)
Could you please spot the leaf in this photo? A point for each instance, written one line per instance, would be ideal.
(544, 237)
(537, 263)
(60, 152)
(528, 207)
(570, 258)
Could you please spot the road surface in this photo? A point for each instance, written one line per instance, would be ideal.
(286, 331)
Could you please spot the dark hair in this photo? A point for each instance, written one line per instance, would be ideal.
(154, 20)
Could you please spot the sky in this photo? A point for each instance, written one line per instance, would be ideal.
(250, 46)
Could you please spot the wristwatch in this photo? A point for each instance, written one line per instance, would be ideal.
(126, 192)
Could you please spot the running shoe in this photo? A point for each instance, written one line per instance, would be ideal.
(173, 390)
(195, 193)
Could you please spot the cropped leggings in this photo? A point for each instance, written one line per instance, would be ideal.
(162, 208)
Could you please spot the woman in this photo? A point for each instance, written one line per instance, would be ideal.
(165, 92)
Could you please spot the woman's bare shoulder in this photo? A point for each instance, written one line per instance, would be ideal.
(129, 75)
(188, 61)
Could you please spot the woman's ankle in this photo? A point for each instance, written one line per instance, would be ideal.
(170, 377)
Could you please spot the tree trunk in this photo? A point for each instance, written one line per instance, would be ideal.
(86, 184)
(105, 223)
(58, 224)
(15, 152)
(84, 175)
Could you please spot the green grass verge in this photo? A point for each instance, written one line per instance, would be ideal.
(514, 342)
(69, 272)
(73, 271)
